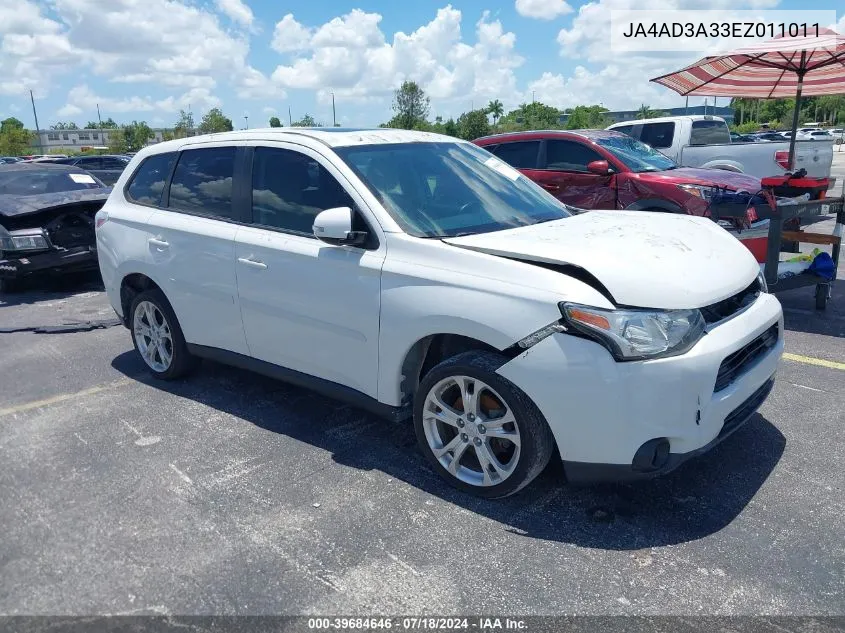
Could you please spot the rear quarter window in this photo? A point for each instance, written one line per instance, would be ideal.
(148, 182)
(709, 133)
(519, 154)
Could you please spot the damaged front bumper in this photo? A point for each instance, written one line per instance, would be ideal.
(56, 260)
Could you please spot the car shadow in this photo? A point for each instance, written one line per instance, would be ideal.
(700, 498)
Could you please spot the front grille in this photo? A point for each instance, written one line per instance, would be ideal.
(746, 409)
(737, 363)
(728, 307)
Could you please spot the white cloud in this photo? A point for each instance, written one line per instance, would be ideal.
(82, 99)
(268, 110)
(289, 35)
(351, 56)
(542, 9)
(236, 11)
(69, 110)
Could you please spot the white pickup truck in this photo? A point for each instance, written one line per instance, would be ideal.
(704, 141)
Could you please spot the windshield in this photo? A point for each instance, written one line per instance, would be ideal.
(32, 182)
(636, 156)
(449, 189)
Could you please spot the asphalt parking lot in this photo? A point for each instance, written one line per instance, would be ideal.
(228, 493)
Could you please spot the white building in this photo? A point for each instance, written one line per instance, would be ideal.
(70, 140)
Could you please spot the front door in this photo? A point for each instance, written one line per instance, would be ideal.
(564, 174)
(307, 305)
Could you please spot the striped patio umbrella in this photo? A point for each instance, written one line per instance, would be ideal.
(781, 67)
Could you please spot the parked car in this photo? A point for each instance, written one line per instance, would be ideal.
(814, 135)
(838, 135)
(106, 167)
(46, 220)
(769, 136)
(601, 169)
(704, 141)
(417, 275)
(736, 137)
(8, 160)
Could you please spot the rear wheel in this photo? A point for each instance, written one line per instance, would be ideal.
(479, 430)
(821, 296)
(157, 336)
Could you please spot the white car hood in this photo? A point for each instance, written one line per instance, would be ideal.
(653, 260)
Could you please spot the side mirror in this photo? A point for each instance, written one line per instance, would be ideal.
(334, 226)
(599, 167)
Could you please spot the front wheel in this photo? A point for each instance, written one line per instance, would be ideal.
(481, 432)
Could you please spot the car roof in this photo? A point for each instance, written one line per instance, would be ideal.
(666, 119)
(331, 137)
(541, 134)
(41, 167)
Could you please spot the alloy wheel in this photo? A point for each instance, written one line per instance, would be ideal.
(471, 431)
(153, 336)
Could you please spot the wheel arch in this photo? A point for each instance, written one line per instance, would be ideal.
(654, 204)
(130, 286)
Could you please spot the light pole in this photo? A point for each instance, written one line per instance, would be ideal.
(532, 97)
(334, 116)
(246, 121)
(37, 129)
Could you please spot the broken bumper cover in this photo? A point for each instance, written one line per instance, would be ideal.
(617, 421)
(64, 260)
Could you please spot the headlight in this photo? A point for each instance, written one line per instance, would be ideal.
(637, 334)
(700, 191)
(761, 279)
(23, 240)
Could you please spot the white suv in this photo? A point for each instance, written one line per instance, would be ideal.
(417, 275)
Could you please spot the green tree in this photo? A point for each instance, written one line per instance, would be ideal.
(274, 122)
(473, 124)
(306, 121)
(14, 139)
(117, 141)
(587, 117)
(450, 128)
(108, 124)
(184, 125)
(411, 106)
(215, 121)
(496, 109)
(61, 125)
(136, 135)
(531, 116)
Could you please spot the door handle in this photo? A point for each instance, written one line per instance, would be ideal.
(252, 263)
(549, 186)
(154, 241)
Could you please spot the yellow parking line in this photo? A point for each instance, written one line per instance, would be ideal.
(63, 397)
(809, 360)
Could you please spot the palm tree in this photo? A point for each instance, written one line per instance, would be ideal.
(646, 112)
(495, 108)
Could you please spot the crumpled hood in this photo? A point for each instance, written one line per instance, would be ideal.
(12, 205)
(711, 177)
(649, 260)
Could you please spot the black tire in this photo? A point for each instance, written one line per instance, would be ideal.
(536, 439)
(9, 286)
(182, 362)
(821, 296)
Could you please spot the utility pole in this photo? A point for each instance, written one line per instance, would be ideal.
(334, 116)
(532, 97)
(99, 118)
(686, 106)
(246, 121)
(37, 129)
(290, 118)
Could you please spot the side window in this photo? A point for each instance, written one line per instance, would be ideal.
(148, 182)
(92, 162)
(658, 135)
(289, 189)
(519, 154)
(202, 182)
(113, 163)
(569, 156)
(625, 129)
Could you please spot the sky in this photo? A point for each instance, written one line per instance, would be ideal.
(147, 59)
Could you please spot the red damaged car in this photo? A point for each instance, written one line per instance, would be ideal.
(601, 169)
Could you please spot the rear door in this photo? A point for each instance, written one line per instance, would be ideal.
(523, 155)
(192, 245)
(565, 175)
